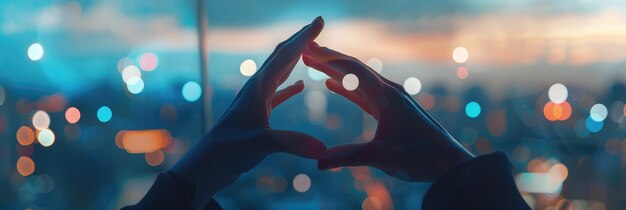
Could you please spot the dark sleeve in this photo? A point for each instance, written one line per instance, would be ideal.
(169, 191)
(484, 182)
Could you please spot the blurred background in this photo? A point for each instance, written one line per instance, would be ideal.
(99, 96)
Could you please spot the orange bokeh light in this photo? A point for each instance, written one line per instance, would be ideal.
(143, 141)
(553, 111)
(72, 115)
(462, 72)
(25, 166)
(155, 158)
(25, 136)
(566, 110)
(547, 111)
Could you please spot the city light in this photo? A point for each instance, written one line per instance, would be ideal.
(301, 183)
(460, 55)
(191, 91)
(462, 72)
(25, 136)
(376, 64)
(46, 137)
(558, 93)
(350, 82)
(35, 51)
(72, 115)
(148, 61)
(248, 67)
(41, 120)
(25, 166)
(412, 85)
(598, 112)
(130, 72)
(472, 109)
(104, 114)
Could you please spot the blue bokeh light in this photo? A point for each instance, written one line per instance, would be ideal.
(104, 114)
(472, 109)
(192, 91)
(593, 126)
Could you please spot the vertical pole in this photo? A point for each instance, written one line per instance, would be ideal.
(204, 71)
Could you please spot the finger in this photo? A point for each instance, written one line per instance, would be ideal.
(296, 143)
(288, 92)
(358, 100)
(336, 65)
(288, 53)
(346, 155)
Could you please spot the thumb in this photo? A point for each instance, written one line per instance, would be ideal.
(346, 155)
(296, 143)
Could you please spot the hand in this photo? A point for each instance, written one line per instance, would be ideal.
(408, 144)
(243, 136)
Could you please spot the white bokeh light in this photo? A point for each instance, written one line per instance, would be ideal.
(301, 183)
(247, 67)
(135, 85)
(46, 137)
(412, 85)
(375, 64)
(350, 82)
(41, 120)
(35, 51)
(460, 54)
(598, 112)
(130, 72)
(558, 93)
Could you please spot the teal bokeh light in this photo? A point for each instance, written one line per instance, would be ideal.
(192, 91)
(472, 109)
(104, 114)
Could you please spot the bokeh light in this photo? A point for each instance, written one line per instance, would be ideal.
(135, 85)
(247, 67)
(192, 91)
(350, 82)
(148, 61)
(72, 115)
(123, 63)
(472, 109)
(593, 126)
(41, 120)
(412, 85)
(104, 114)
(155, 158)
(553, 111)
(25, 136)
(375, 63)
(460, 54)
(25, 166)
(557, 93)
(130, 72)
(46, 137)
(35, 51)
(598, 112)
(462, 72)
(301, 183)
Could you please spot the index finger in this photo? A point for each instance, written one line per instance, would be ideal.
(287, 53)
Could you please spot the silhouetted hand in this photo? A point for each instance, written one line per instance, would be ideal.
(243, 136)
(408, 144)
